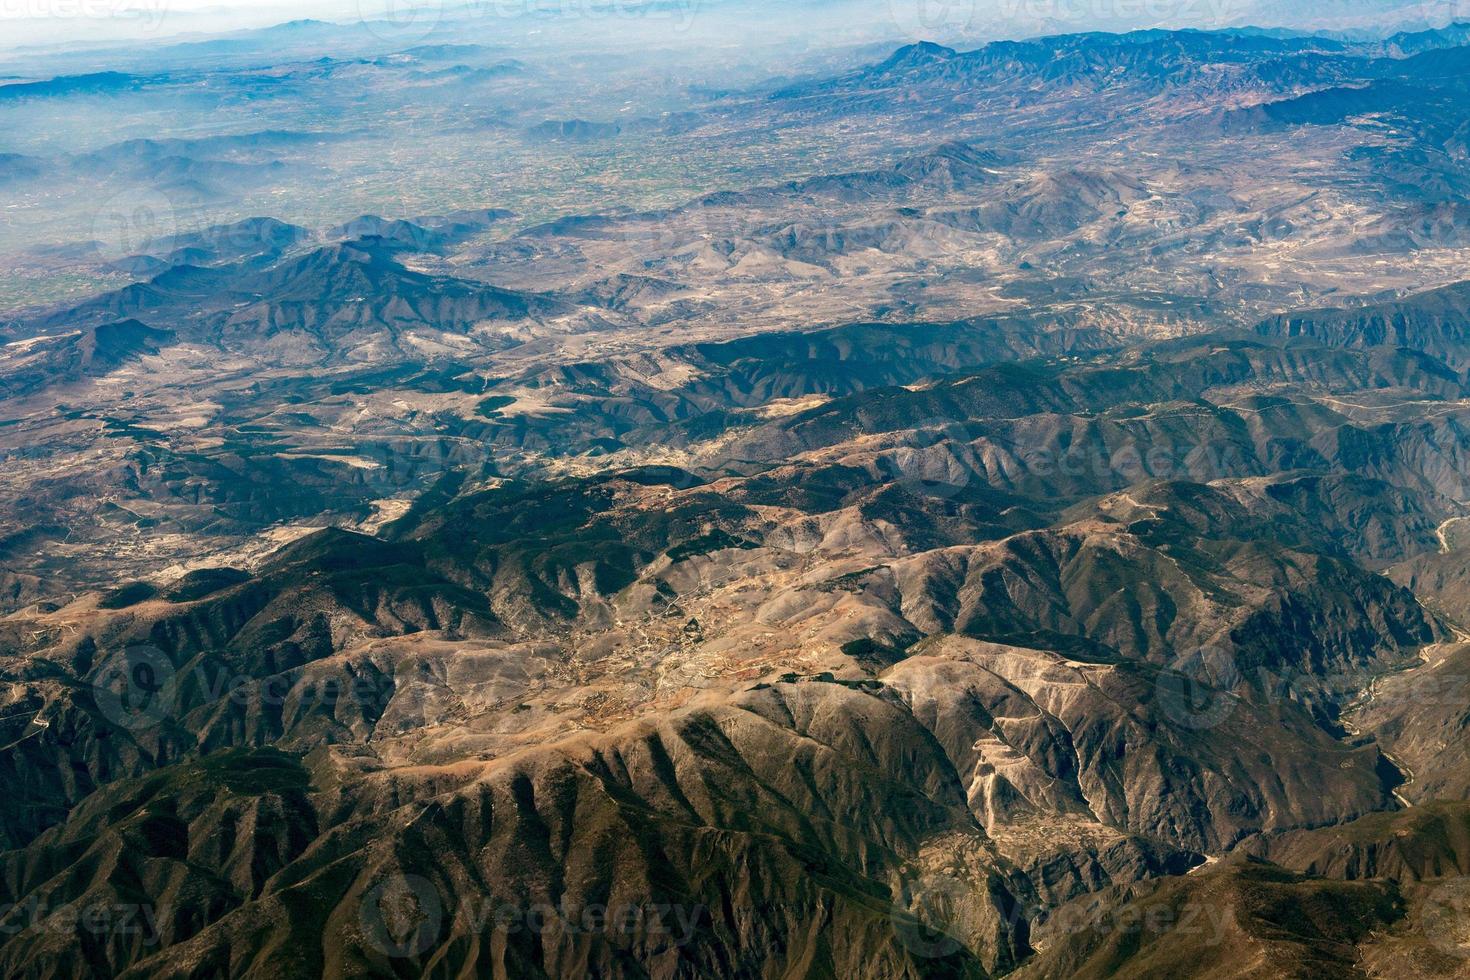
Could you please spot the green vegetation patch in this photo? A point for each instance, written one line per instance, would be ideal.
(128, 595)
(490, 407)
(716, 540)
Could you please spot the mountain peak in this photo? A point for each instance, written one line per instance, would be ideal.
(921, 53)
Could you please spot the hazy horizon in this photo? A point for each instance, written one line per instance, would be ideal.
(698, 489)
(43, 24)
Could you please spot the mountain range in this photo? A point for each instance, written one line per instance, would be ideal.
(914, 513)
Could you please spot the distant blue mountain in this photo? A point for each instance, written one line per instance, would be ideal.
(99, 83)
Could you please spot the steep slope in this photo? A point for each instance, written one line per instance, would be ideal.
(1243, 918)
(1432, 322)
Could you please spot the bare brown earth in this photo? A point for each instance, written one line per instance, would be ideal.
(1038, 558)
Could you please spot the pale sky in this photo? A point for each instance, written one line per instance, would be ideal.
(48, 22)
(25, 22)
